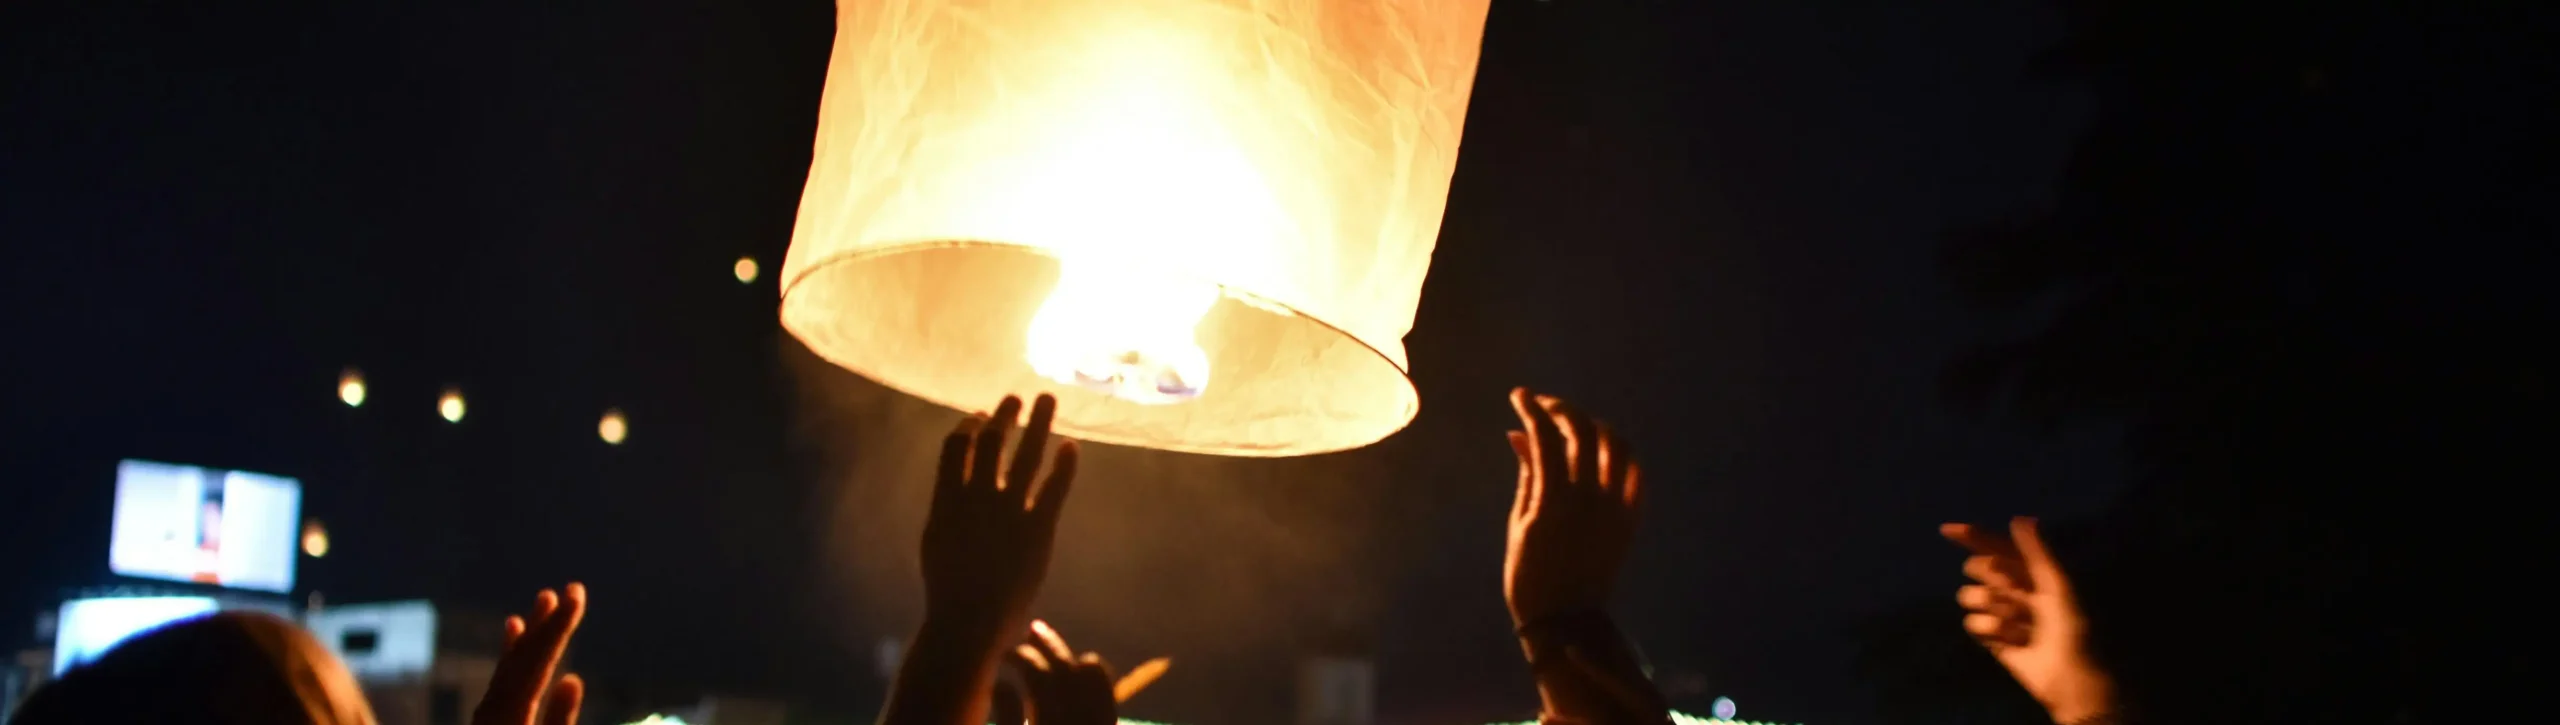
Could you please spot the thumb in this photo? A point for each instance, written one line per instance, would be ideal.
(561, 706)
(2042, 571)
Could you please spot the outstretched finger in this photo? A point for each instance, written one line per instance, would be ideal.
(1027, 659)
(1139, 678)
(1614, 461)
(561, 706)
(1025, 468)
(1546, 444)
(1997, 571)
(954, 467)
(2043, 573)
(1978, 541)
(1993, 630)
(989, 454)
(1051, 644)
(1581, 440)
(1984, 599)
(1524, 497)
(544, 603)
(1054, 488)
(1635, 487)
(515, 629)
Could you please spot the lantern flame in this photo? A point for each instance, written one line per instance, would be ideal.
(1122, 332)
(1126, 180)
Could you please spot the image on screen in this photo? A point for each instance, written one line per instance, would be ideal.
(183, 523)
(90, 627)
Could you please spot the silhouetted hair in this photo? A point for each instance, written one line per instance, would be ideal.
(231, 668)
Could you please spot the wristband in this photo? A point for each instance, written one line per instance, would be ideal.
(1566, 623)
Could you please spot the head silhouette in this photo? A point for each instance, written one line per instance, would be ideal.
(232, 668)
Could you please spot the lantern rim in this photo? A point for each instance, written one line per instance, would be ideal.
(800, 273)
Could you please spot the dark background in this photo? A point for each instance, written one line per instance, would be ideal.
(1718, 223)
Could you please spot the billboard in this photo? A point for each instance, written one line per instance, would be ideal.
(183, 523)
(89, 627)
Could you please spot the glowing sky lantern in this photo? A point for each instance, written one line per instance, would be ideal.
(315, 540)
(1204, 224)
(449, 405)
(612, 428)
(351, 388)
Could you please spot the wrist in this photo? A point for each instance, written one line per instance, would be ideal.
(961, 635)
(2088, 699)
(1551, 632)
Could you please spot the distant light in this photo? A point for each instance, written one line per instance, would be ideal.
(351, 387)
(315, 541)
(612, 428)
(450, 406)
(1723, 708)
(658, 720)
(745, 269)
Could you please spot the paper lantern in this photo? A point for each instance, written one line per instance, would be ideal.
(449, 405)
(612, 427)
(1202, 224)
(351, 388)
(315, 540)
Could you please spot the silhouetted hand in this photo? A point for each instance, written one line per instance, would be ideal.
(986, 549)
(2021, 608)
(1573, 515)
(1065, 688)
(987, 540)
(534, 645)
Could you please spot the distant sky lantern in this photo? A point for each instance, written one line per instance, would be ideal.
(315, 540)
(612, 427)
(351, 388)
(745, 270)
(449, 405)
(1204, 224)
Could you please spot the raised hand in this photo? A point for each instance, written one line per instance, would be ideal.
(987, 540)
(986, 550)
(2020, 607)
(1063, 687)
(534, 645)
(1573, 514)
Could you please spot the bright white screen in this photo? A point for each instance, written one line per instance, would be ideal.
(398, 638)
(90, 627)
(183, 523)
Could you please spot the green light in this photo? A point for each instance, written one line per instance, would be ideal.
(1679, 718)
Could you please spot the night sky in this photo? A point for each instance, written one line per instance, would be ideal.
(1714, 225)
